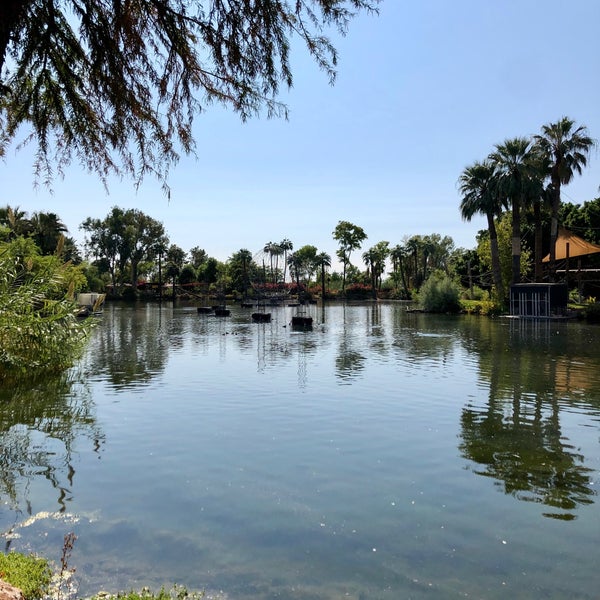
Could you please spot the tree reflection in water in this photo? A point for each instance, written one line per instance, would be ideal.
(517, 437)
(40, 422)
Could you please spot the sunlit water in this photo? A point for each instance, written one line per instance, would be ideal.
(382, 455)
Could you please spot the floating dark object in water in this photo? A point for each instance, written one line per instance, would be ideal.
(221, 311)
(302, 323)
(261, 317)
(205, 309)
(247, 304)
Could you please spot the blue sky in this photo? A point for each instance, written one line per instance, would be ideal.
(423, 90)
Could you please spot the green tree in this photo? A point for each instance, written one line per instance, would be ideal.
(187, 274)
(477, 184)
(141, 235)
(399, 255)
(117, 84)
(209, 272)
(286, 246)
(47, 229)
(566, 148)
(504, 231)
(242, 270)
(516, 181)
(269, 249)
(124, 238)
(103, 242)
(349, 237)
(323, 261)
(375, 258)
(583, 219)
(304, 263)
(198, 257)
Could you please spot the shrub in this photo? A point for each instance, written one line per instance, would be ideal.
(476, 294)
(39, 331)
(440, 294)
(359, 291)
(27, 572)
(481, 307)
(177, 593)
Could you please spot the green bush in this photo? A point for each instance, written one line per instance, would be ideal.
(27, 572)
(176, 593)
(440, 294)
(481, 307)
(39, 330)
(359, 291)
(475, 294)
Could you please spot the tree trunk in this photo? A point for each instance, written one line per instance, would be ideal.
(554, 223)
(516, 240)
(537, 219)
(496, 269)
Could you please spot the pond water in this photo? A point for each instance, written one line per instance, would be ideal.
(382, 455)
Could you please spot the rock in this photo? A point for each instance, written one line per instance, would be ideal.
(9, 592)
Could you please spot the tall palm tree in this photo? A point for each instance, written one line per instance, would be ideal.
(323, 260)
(276, 251)
(398, 255)
(566, 148)
(370, 258)
(516, 168)
(268, 249)
(47, 229)
(287, 246)
(477, 184)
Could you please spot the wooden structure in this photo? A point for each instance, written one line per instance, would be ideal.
(538, 300)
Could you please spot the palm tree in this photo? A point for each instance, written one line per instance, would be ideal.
(480, 196)
(295, 262)
(276, 251)
(47, 229)
(287, 246)
(370, 258)
(566, 149)
(323, 260)
(398, 255)
(16, 220)
(515, 163)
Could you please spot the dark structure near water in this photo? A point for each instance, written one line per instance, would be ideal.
(538, 300)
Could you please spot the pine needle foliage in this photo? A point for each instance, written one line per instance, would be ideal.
(116, 84)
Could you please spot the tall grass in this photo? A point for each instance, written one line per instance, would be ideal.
(39, 329)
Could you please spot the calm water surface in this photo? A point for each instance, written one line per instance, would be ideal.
(382, 455)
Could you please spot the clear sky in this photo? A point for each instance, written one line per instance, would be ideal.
(423, 90)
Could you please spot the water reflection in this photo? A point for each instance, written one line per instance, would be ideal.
(535, 376)
(239, 457)
(135, 347)
(40, 423)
